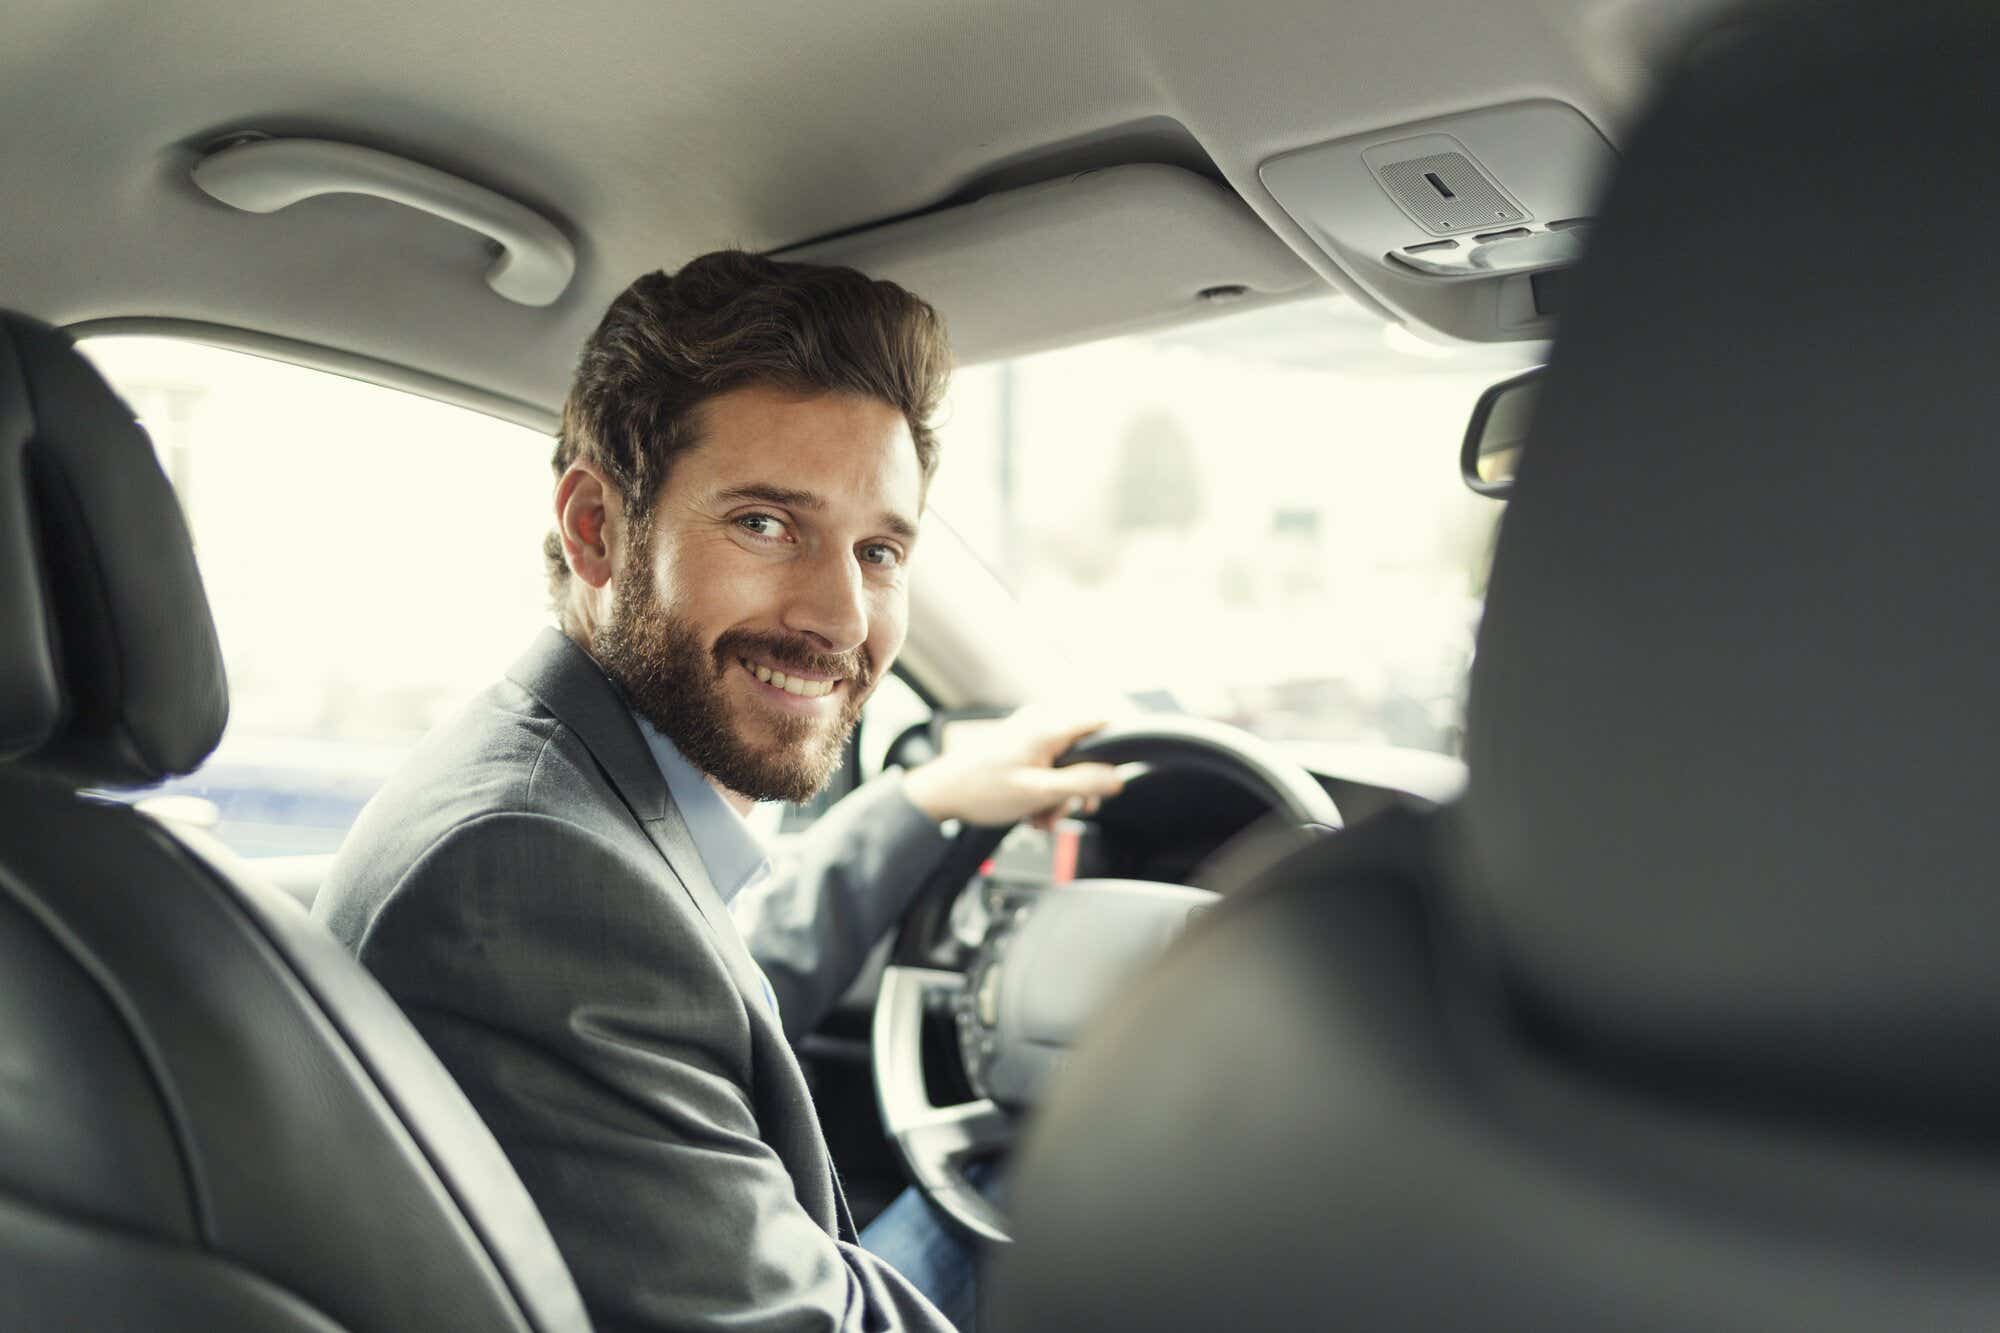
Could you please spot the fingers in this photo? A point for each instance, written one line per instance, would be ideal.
(1046, 820)
(1083, 781)
(1078, 789)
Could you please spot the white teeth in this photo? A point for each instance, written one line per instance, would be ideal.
(805, 689)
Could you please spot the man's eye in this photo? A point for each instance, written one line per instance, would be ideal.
(876, 553)
(762, 525)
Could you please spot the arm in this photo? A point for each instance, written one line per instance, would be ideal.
(850, 876)
(580, 1002)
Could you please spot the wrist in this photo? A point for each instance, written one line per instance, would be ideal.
(928, 788)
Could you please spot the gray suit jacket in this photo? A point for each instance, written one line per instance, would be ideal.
(527, 892)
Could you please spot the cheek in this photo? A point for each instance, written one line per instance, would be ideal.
(714, 587)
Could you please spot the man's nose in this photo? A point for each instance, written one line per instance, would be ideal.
(828, 601)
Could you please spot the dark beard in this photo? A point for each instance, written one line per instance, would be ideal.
(679, 686)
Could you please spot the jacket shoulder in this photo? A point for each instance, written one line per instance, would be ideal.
(503, 764)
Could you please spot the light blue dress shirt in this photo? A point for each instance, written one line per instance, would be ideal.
(728, 847)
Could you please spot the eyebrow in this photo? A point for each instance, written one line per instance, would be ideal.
(791, 498)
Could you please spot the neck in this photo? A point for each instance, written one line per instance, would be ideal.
(577, 617)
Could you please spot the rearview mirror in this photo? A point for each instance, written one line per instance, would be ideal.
(1500, 421)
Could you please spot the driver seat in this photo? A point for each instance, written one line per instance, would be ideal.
(210, 1116)
(1687, 1015)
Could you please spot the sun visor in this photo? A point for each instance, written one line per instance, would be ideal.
(1458, 223)
(1086, 256)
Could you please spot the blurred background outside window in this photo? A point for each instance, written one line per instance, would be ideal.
(372, 559)
(1257, 518)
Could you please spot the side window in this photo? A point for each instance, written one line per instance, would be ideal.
(372, 558)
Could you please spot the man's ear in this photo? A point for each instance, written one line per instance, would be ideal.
(587, 517)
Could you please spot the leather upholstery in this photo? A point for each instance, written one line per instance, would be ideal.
(210, 1116)
(1680, 1019)
(1319, 1114)
(109, 668)
(1737, 663)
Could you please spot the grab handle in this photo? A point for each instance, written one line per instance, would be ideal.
(264, 175)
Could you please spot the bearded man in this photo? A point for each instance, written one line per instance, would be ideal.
(547, 886)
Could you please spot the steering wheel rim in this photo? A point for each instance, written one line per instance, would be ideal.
(935, 1142)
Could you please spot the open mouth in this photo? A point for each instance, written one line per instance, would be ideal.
(795, 684)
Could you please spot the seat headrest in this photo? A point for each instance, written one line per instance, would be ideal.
(1732, 731)
(110, 673)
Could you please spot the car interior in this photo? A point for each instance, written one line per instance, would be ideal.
(1550, 887)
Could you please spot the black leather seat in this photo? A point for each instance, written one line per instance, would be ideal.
(210, 1117)
(1688, 1015)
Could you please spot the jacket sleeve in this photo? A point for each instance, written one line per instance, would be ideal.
(836, 890)
(589, 1017)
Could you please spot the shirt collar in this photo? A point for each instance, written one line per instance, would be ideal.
(729, 850)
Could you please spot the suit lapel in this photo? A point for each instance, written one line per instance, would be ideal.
(573, 687)
(576, 690)
(669, 833)
(779, 1078)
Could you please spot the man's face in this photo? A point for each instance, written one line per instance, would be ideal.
(776, 553)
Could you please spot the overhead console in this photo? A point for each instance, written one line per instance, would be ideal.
(1462, 223)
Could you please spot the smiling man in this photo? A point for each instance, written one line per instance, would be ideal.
(783, 548)
(552, 886)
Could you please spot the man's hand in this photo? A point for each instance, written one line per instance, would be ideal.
(1004, 776)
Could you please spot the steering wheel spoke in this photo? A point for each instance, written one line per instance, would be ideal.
(935, 1142)
(954, 1134)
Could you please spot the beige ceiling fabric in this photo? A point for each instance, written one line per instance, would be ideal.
(650, 132)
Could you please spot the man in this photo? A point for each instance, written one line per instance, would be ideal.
(545, 887)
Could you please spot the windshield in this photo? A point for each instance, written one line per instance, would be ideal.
(1258, 518)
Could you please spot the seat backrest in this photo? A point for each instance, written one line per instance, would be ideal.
(1683, 1018)
(210, 1116)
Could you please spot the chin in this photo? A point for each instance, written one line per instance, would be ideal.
(782, 749)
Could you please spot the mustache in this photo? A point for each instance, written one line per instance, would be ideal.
(794, 651)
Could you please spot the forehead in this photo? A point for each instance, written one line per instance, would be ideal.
(848, 449)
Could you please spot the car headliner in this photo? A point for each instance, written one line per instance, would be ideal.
(651, 132)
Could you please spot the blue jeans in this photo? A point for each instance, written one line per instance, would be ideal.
(911, 1238)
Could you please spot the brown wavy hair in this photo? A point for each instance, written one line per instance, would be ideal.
(728, 320)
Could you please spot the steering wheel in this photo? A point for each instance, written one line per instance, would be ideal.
(1044, 962)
